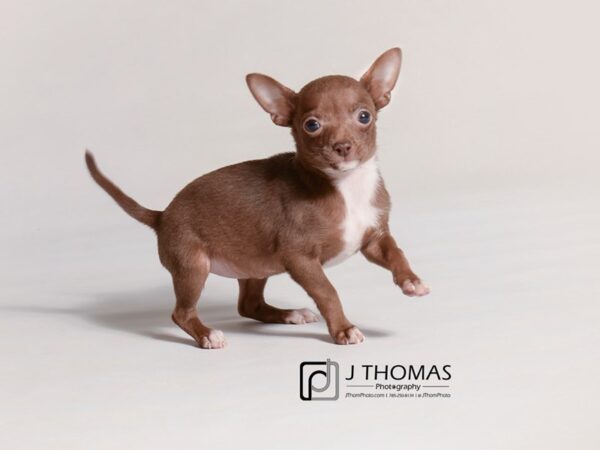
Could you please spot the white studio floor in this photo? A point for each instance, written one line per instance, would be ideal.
(92, 360)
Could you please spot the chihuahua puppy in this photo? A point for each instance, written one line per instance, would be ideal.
(294, 212)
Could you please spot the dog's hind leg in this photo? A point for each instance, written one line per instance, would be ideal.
(251, 304)
(189, 274)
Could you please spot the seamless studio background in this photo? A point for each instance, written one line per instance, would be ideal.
(489, 150)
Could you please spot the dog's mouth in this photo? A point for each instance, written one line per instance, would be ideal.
(341, 169)
(345, 166)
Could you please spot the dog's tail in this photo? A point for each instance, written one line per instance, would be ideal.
(131, 207)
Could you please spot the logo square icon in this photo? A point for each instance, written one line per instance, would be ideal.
(319, 380)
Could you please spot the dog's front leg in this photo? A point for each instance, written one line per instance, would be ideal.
(382, 250)
(309, 274)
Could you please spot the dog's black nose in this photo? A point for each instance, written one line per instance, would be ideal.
(342, 148)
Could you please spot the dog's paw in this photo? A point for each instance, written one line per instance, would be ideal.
(413, 286)
(348, 336)
(213, 340)
(299, 316)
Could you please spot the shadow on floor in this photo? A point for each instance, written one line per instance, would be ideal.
(147, 312)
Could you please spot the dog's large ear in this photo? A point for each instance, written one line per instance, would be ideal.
(381, 77)
(274, 97)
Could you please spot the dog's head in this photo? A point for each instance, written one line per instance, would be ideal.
(332, 118)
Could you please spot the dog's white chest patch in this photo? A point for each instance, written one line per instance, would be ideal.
(358, 189)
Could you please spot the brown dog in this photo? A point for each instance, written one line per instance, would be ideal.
(293, 212)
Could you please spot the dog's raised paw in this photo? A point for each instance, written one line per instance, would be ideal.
(213, 340)
(349, 336)
(300, 316)
(414, 288)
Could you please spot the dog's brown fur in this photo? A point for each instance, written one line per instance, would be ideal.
(259, 218)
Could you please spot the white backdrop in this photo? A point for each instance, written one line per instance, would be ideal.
(490, 149)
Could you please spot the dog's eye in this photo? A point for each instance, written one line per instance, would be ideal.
(312, 125)
(364, 117)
